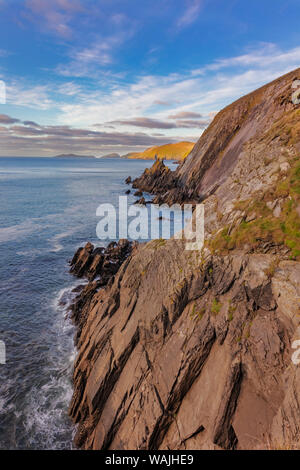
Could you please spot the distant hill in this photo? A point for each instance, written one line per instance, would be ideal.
(111, 155)
(178, 151)
(73, 155)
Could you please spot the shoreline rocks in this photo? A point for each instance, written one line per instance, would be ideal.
(190, 350)
(91, 262)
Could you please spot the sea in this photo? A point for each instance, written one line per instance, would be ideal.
(47, 210)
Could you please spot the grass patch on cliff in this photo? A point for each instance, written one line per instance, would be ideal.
(287, 128)
(197, 314)
(281, 230)
(215, 307)
(155, 244)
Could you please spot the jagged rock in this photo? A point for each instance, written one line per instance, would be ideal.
(193, 350)
(128, 180)
(138, 193)
(157, 179)
(82, 260)
(90, 262)
(157, 357)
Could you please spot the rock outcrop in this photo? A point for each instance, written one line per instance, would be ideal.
(193, 349)
(91, 262)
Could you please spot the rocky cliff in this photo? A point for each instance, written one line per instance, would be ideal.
(193, 350)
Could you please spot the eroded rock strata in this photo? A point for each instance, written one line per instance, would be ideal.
(193, 350)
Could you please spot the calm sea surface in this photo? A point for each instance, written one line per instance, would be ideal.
(47, 209)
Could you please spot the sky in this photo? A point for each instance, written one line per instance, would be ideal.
(95, 77)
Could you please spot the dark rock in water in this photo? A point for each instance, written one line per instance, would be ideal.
(161, 181)
(103, 263)
(93, 262)
(128, 180)
(138, 193)
(128, 191)
(82, 260)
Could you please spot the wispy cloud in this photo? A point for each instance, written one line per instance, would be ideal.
(190, 100)
(266, 55)
(69, 89)
(5, 119)
(21, 94)
(191, 13)
(29, 138)
(148, 123)
(198, 91)
(53, 15)
(90, 61)
(185, 115)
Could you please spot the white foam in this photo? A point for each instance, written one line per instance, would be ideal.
(46, 421)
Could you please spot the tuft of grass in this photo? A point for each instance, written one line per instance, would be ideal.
(197, 314)
(155, 244)
(231, 310)
(282, 230)
(270, 270)
(215, 307)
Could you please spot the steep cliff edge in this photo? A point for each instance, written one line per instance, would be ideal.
(193, 350)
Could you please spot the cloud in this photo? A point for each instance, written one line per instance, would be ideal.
(196, 91)
(191, 13)
(4, 119)
(190, 124)
(31, 123)
(49, 140)
(91, 60)
(20, 94)
(199, 93)
(185, 115)
(265, 56)
(53, 15)
(69, 89)
(162, 103)
(147, 123)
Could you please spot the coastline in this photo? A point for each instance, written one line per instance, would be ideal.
(194, 350)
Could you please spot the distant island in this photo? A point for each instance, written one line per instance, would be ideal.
(111, 155)
(73, 155)
(177, 151)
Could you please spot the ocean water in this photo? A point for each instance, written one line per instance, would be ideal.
(47, 210)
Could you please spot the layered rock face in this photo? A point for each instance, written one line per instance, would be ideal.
(241, 132)
(193, 349)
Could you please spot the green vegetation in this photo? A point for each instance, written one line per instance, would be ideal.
(282, 230)
(197, 314)
(270, 271)
(231, 310)
(215, 307)
(155, 244)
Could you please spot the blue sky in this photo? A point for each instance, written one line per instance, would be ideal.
(122, 75)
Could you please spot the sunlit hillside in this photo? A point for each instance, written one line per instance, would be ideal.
(177, 151)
